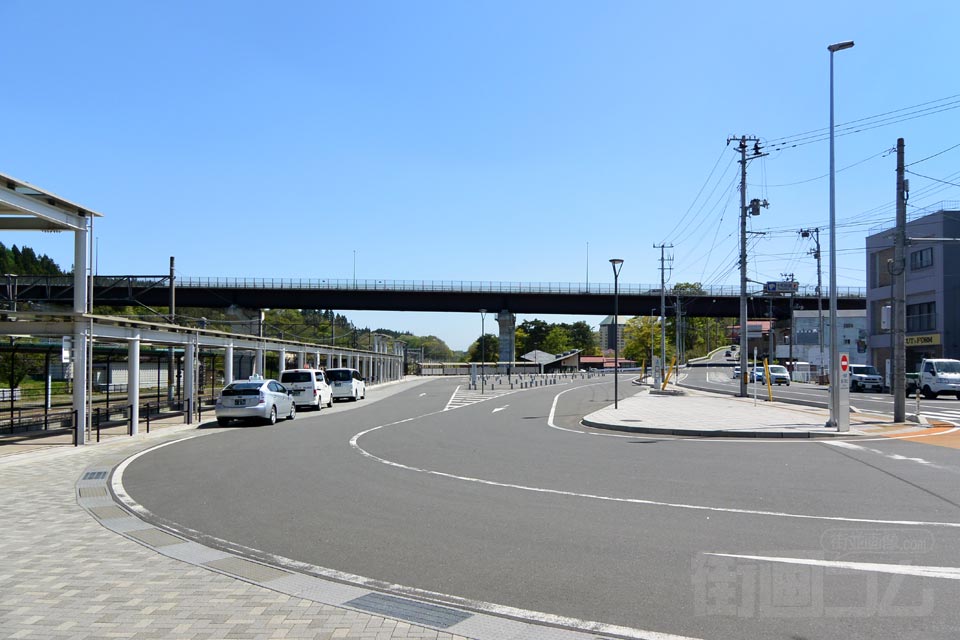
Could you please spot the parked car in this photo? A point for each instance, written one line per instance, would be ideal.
(255, 399)
(347, 384)
(309, 387)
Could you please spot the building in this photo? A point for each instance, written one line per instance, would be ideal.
(610, 339)
(932, 281)
(805, 335)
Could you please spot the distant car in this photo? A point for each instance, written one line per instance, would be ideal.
(309, 387)
(864, 377)
(347, 384)
(736, 371)
(756, 375)
(255, 399)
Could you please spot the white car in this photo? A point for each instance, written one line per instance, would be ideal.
(309, 387)
(347, 384)
(255, 399)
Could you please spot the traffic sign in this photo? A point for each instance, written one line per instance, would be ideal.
(844, 362)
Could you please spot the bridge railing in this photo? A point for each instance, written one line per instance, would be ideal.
(20, 283)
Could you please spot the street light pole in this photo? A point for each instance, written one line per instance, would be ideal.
(617, 264)
(834, 334)
(483, 349)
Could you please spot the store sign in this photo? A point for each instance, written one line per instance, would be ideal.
(927, 340)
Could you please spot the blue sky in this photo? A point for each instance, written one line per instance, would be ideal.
(469, 140)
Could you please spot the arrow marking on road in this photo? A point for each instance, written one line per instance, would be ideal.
(422, 394)
(500, 408)
(947, 573)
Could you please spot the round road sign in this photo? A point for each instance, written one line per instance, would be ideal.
(844, 362)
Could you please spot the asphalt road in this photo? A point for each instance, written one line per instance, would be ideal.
(719, 378)
(488, 502)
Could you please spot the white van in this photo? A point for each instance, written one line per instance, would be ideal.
(347, 384)
(309, 387)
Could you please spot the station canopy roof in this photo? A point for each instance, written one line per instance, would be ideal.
(24, 207)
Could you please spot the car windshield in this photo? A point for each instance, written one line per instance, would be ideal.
(951, 366)
(867, 370)
(340, 375)
(778, 369)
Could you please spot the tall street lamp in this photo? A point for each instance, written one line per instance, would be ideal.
(834, 352)
(483, 349)
(617, 264)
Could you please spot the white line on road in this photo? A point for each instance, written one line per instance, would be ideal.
(500, 408)
(354, 443)
(948, 573)
(842, 444)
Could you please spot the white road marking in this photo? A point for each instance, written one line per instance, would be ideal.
(422, 394)
(892, 456)
(500, 408)
(947, 573)
(354, 443)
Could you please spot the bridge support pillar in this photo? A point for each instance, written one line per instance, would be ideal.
(281, 362)
(508, 340)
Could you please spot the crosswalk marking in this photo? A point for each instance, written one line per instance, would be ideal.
(465, 397)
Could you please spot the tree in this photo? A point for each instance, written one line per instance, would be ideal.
(491, 345)
(536, 331)
(557, 340)
(16, 365)
(581, 337)
(639, 334)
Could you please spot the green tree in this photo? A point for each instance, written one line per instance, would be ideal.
(536, 331)
(557, 340)
(582, 337)
(491, 346)
(16, 365)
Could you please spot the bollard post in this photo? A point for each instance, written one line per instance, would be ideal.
(148, 417)
(76, 430)
(98, 424)
(130, 419)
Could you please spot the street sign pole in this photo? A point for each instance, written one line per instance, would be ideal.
(843, 391)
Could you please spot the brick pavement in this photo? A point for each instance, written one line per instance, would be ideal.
(63, 575)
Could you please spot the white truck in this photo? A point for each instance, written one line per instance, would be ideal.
(936, 376)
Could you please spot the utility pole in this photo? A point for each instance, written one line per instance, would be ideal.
(815, 232)
(678, 316)
(755, 210)
(663, 304)
(899, 310)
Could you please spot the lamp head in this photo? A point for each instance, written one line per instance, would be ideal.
(840, 46)
(617, 264)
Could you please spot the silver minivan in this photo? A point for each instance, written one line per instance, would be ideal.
(347, 384)
(309, 387)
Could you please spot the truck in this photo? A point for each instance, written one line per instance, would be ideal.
(936, 376)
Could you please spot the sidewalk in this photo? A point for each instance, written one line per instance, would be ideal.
(692, 413)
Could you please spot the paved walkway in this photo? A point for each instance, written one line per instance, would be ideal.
(687, 412)
(73, 564)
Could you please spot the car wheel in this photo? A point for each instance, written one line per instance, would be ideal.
(330, 401)
(223, 421)
(293, 411)
(273, 415)
(929, 393)
(355, 397)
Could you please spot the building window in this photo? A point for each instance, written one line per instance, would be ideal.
(921, 259)
(922, 317)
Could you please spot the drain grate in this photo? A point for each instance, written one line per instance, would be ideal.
(95, 475)
(428, 615)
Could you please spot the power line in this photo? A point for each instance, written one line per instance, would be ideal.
(939, 153)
